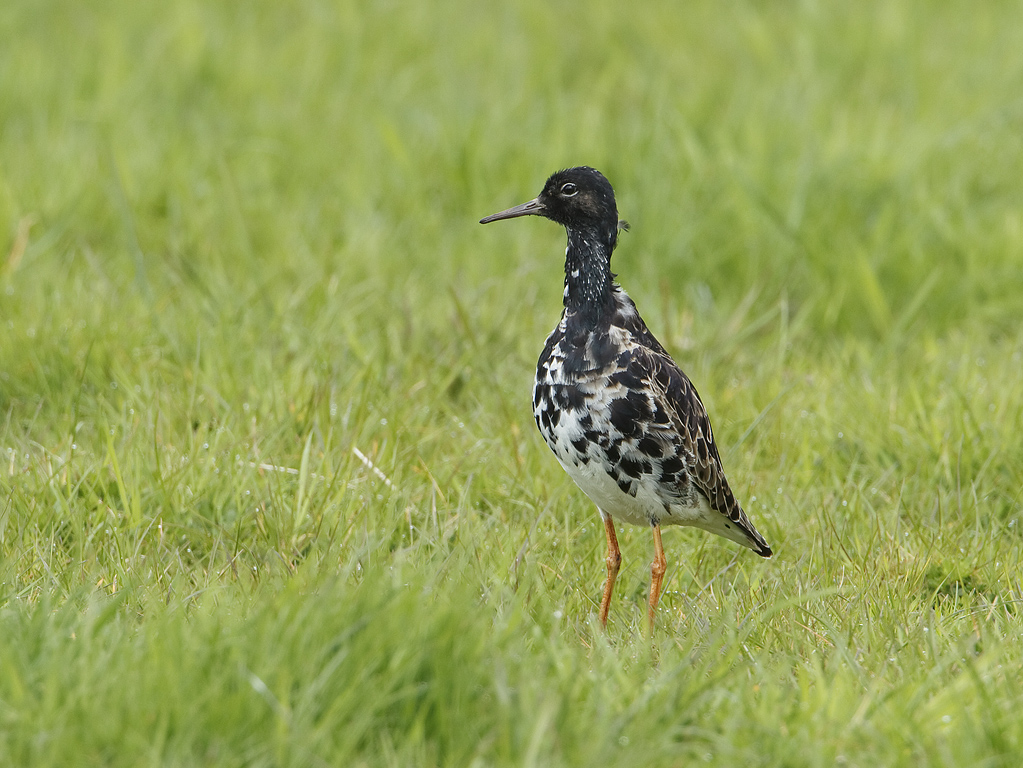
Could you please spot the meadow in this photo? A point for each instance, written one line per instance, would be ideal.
(270, 489)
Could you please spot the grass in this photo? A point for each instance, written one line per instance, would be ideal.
(270, 493)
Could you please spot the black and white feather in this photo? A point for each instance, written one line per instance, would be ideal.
(623, 419)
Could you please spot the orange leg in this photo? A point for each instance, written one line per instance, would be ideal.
(614, 561)
(657, 569)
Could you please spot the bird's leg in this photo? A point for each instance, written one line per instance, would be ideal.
(614, 561)
(657, 569)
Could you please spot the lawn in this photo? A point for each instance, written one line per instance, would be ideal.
(270, 489)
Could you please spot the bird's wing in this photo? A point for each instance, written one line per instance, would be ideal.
(688, 428)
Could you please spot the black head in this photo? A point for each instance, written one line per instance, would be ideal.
(578, 198)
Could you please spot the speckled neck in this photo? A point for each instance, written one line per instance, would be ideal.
(589, 282)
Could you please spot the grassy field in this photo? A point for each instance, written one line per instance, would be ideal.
(270, 490)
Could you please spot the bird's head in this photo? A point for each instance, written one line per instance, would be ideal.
(577, 198)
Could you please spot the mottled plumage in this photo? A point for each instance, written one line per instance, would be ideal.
(623, 419)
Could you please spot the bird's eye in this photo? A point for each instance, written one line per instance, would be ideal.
(569, 189)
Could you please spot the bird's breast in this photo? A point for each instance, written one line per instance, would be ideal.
(600, 425)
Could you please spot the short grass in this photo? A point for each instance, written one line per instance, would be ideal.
(270, 493)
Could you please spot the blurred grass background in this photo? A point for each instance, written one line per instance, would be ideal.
(241, 279)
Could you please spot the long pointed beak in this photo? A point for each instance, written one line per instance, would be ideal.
(533, 208)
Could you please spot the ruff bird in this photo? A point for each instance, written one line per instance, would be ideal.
(622, 418)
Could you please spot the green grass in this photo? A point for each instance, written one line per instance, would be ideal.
(239, 250)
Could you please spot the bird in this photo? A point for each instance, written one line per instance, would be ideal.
(620, 415)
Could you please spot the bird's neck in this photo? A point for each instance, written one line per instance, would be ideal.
(589, 282)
